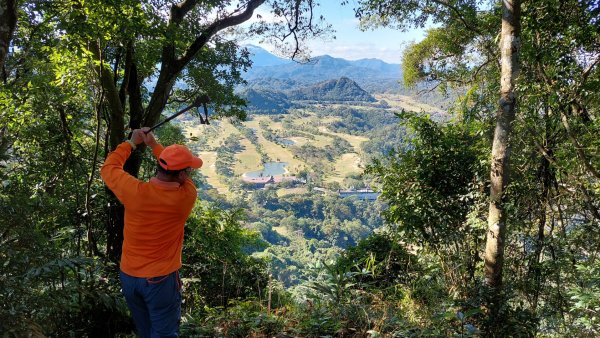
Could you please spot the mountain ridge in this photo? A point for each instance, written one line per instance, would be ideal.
(267, 101)
(365, 72)
(373, 75)
(261, 57)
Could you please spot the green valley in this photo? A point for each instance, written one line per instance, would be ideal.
(315, 126)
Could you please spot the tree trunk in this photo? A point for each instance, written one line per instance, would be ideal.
(536, 262)
(494, 249)
(116, 133)
(114, 228)
(8, 22)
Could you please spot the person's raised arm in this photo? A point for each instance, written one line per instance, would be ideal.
(151, 142)
(121, 183)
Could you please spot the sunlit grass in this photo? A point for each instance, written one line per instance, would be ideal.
(348, 164)
(354, 140)
(248, 159)
(288, 191)
(406, 102)
(208, 169)
(283, 231)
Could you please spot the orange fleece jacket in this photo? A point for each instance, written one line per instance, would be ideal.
(155, 214)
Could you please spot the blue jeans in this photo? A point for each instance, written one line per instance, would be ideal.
(155, 304)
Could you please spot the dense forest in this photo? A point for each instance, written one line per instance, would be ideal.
(487, 223)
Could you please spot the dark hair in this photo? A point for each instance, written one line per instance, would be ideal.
(171, 173)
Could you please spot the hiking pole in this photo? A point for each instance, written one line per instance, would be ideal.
(199, 101)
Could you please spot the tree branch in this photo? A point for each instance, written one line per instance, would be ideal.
(117, 131)
(578, 147)
(180, 10)
(459, 15)
(172, 67)
(479, 68)
(126, 75)
(589, 69)
(136, 109)
(215, 27)
(92, 245)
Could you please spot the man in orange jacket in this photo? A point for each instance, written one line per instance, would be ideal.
(155, 214)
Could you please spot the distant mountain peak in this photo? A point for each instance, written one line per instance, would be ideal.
(324, 57)
(342, 89)
(262, 58)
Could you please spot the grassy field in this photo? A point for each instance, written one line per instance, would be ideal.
(278, 153)
(299, 140)
(210, 136)
(345, 166)
(208, 170)
(406, 102)
(248, 159)
(283, 231)
(354, 140)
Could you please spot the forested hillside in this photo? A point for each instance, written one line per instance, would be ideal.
(266, 101)
(342, 89)
(454, 195)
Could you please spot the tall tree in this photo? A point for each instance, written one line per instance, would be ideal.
(447, 57)
(496, 235)
(188, 41)
(553, 131)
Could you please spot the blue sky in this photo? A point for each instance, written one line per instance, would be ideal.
(351, 43)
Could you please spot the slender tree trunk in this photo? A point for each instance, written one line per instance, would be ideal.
(8, 22)
(114, 228)
(547, 180)
(545, 176)
(494, 249)
(136, 109)
(116, 132)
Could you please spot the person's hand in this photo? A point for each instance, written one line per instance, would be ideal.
(137, 136)
(148, 137)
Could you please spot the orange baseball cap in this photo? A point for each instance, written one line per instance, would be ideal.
(178, 157)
